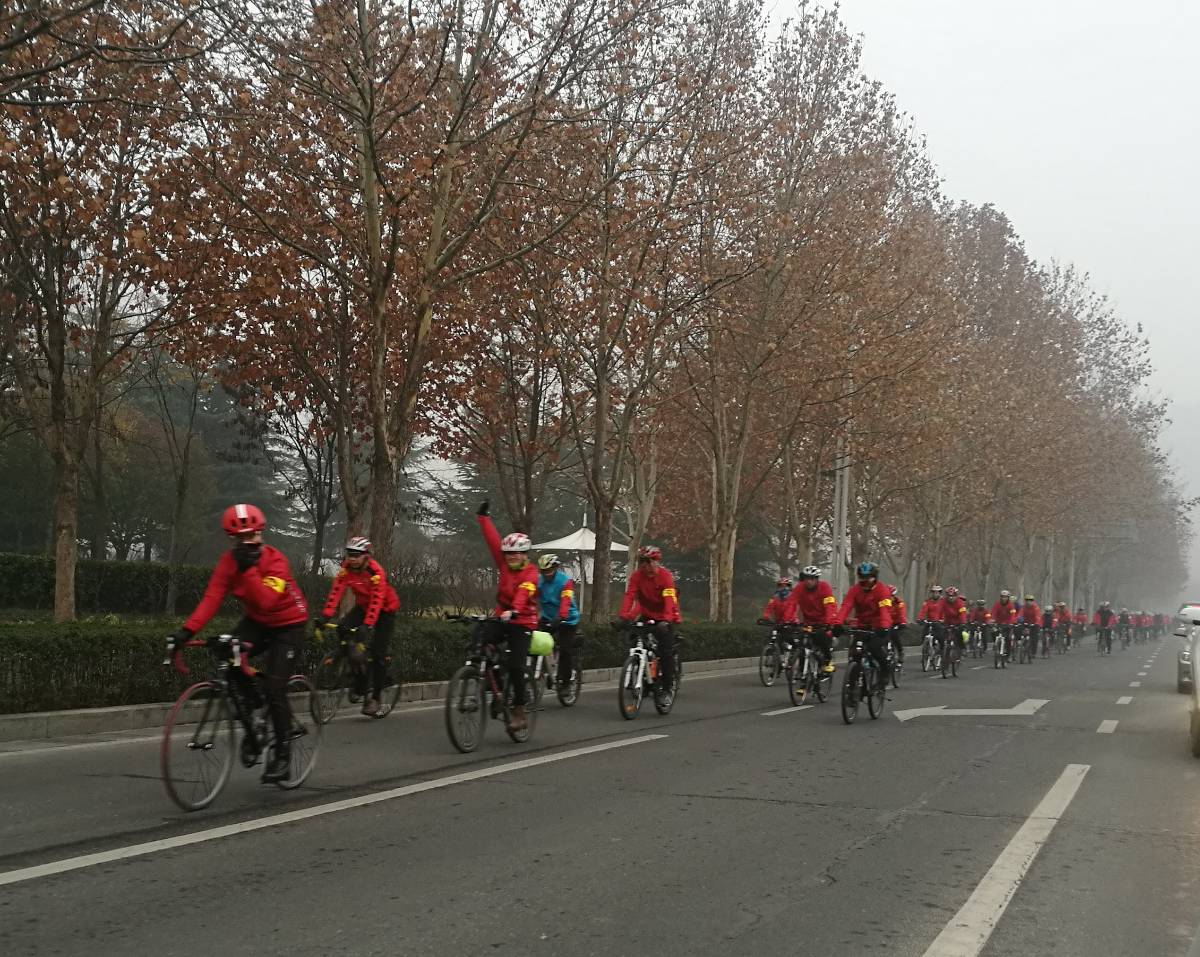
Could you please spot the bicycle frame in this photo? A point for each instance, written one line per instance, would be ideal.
(228, 652)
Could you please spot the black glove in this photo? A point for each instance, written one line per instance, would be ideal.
(765, 621)
(485, 508)
(839, 630)
(181, 637)
(246, 554)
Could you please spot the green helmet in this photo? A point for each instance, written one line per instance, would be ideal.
(546, 562)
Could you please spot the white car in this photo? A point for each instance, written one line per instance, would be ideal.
(1187, 627)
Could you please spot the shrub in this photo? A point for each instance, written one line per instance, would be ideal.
(108, 661)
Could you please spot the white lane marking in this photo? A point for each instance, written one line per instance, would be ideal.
(979, 667)
(1135, 684)
(1027, 707)
(288, 817)
(771, 714)
(1107, 727)
(1124, 699)
(1142, 674)
(968, 931)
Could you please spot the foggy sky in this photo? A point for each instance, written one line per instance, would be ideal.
(1080, 121)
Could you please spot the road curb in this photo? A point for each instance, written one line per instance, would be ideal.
(40, 725)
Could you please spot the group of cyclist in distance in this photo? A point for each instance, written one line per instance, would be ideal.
(529, 595)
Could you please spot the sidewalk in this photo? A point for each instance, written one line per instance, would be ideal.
(40, 725)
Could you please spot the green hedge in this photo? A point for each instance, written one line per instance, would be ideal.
(140, 588)
(91, 664)
(27, 581)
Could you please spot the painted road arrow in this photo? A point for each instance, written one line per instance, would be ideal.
(1026, 707)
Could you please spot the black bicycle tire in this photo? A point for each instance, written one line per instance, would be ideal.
(453, 694)
(876, 697)
(626, 690)
(768, 664)
(308, 732)
(224, 717)
(568, 692)
(850, 702)
(533, 703)
(797, 679)
(331, 678)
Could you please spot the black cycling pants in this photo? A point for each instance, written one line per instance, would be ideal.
(664, 634)
(516, 638)
(281, 646)
(567, 639)
(351, 627)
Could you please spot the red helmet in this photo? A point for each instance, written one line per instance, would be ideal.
(240, 519)
(784, 582)
(951, 592)
(652, 552)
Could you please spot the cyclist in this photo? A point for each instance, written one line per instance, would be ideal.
(899, 624)
(1049, 626)
(780, 610)
(1079, 620)
(556, 597)
(1103, 621)
(870, 603)
(273, 616)
(933, 613)
(369, 623)
(1004, 614)
(812, 602)
(981, 616)
(516, 606)
(1146, 621)
(651, 594)
(1125, 624)
(1158, 623)
(954, 615)
(1031, 615)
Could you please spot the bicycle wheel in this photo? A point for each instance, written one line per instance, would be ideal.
(533, 700)
(926, 655)
(944, 657)
(797, 676)
(678, 674)
(876, 695)
(198, 746)
(769, 664)
(304, 740)
(631, 689)
(896, 669)
(465, 714)
(850, 692)
(954, 659)
(331, 676)
(568, 691)
(821, 683)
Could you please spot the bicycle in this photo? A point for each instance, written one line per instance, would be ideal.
(1001, 647)
(975, 644)
(545, 668)
(1104, 641)
(640, 672)
(929, 648)
(862, 680)
(336, 675)
(200, 735)
(1025, 645)
(805, 672)
(774, 653)
(480, 688)
(1123, 634)
(950, 652)
(1047, 637)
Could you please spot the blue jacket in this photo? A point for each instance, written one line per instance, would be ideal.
(553, 593)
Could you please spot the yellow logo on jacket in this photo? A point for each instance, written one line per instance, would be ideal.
(276, 585)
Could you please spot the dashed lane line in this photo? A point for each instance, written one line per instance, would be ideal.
(1107, 727)
(1124, 699)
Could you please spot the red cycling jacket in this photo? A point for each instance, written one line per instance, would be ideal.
(932, 611)
(1146, 621)
(371, 590)
(1104, 618)
(815, 607)
(1031, 614)
(780, 609)
(899, 611)
(870, 608)
(1004, 612)
(517, 591)
(651, 593)
(1079, 618)
(954, 611)
(980, 616)
(268, 592)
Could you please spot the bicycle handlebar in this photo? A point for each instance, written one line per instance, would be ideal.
(175, 651)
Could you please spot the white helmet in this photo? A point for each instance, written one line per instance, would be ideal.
(516, 542)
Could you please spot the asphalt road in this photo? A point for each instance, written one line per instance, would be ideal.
(719, 830)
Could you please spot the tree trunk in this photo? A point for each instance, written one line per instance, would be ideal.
(722, 553)
(100, 497)
(181, 493)
(66, 536)
(602, 562)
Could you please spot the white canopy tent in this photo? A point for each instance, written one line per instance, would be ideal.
(581, 543)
